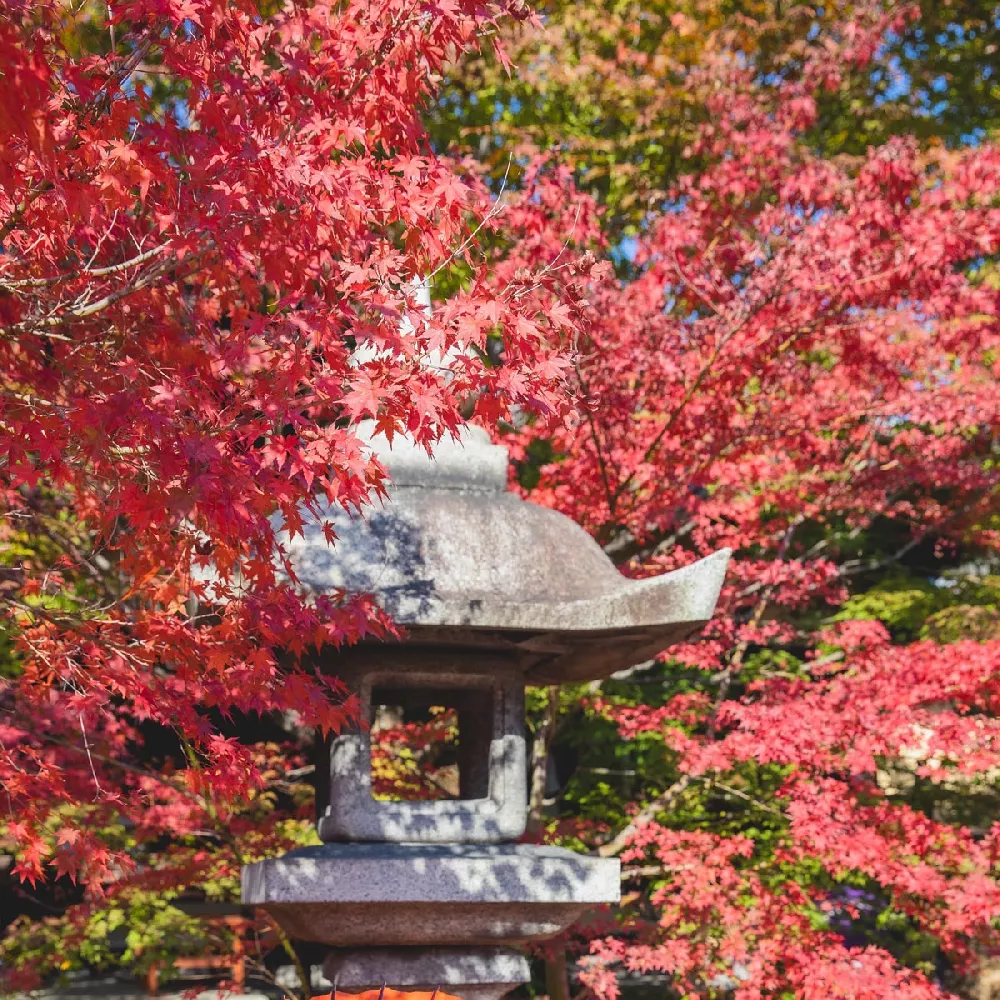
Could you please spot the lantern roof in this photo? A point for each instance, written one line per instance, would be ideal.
(459, 560)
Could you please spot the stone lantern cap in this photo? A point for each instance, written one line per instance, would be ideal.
(458, 560)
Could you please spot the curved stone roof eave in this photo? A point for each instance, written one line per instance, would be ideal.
(684, 596)
(458, 560)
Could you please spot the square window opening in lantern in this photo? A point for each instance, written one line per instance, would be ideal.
(430, 744)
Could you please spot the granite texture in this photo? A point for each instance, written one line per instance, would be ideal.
(352, 895)
(492, 762)
(453, 552)
(470, 973)
(467, 463)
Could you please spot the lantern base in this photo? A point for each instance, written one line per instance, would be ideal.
(469, 973)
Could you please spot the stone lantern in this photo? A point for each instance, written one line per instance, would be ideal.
(495, 594)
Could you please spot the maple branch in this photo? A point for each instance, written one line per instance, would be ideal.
(83, 309)
(736, 658)
(625, 546)
(439, 785)
(91, 309)
(822, 661)
(259, 968)
(642, 871)
(414, 765)
(551, 267)
(495, 209)
(85, 272)
(661, 803)
(748, 798)
(645, 871)
(853, 567)
(125, 766)
(60, 621)
(47, 523)
(15, 217)
(645, 815)
(90, 758)
(595, 437)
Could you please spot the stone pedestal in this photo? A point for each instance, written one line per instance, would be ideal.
(412, 894)
(471, 973)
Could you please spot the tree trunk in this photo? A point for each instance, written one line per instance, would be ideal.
(557, 976)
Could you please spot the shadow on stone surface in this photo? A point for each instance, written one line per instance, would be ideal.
(398, 894)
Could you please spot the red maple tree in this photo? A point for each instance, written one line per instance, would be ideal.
(804, 353)
(212, 219)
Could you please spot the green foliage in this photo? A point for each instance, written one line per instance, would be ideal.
(962, 621)
(901, 603)
(134, 927)
(958, 606)
(608, 87)
(36, 542)
(134, 931)
(936, 79)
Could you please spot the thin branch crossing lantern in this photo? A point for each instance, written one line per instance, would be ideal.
(495, 594)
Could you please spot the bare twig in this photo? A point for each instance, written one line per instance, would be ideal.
(90, 759)
(495, 209)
